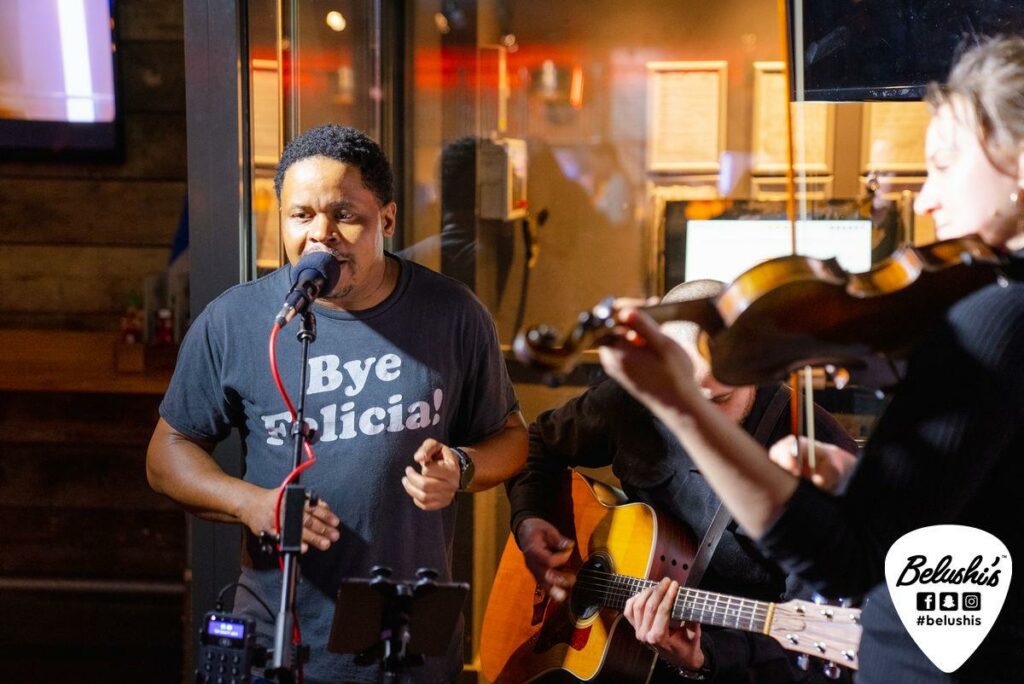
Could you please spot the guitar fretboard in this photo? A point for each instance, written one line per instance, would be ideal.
(692, 605)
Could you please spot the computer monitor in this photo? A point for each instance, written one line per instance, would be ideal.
(721, 239)
(724, 249)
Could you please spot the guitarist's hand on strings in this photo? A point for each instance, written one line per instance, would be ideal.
(546, 550)
(649, 612)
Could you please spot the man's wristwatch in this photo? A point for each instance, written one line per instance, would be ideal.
(704, 674)
(466, 468)
(676, 672)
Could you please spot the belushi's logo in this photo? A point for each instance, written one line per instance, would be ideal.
(948, 583)
(918, 570)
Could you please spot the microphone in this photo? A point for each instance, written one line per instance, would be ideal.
(315, 273)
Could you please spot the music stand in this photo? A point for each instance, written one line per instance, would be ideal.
(395, 623)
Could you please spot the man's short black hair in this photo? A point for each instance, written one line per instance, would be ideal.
(347, 145)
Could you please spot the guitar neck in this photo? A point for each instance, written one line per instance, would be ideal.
(697, 605)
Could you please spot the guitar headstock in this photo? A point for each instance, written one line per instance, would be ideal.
(829, 632)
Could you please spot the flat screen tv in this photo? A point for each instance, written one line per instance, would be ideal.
(58, 80)
(855, 50)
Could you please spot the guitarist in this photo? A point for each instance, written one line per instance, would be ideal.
(606, 426)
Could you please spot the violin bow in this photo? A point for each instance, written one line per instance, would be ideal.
(798, 416)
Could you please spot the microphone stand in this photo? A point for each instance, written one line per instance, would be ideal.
(291, 525)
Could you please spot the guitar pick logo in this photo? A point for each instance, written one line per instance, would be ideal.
(948, 583)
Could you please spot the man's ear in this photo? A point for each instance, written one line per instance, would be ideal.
(387, 215)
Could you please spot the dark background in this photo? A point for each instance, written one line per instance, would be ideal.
(890, 49)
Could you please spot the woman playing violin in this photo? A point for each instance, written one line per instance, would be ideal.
(949, 449)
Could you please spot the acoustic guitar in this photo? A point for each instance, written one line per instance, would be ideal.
(620, 550)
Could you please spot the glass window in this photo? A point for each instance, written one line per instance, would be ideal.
(635, 120)
(311, 63)
(549, 154)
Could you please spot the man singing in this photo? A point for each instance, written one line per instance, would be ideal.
(407, 391)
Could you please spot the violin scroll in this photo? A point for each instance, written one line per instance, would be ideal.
(540, 347)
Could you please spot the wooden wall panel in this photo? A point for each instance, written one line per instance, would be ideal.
(78, 477)
(77, 238)
(154, 150)
(90, 213)
(60, 320)
(44, 420)
(43, 279)
(123, 615)
(93, 543)
(151, 20)
(74, 501)
(153, 76)
(91, 638)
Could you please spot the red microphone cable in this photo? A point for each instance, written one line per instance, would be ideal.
(311, 457)
(310, 460)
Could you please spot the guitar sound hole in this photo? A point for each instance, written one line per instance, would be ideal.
(590, 592)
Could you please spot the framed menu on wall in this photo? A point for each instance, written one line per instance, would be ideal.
(813, 127)
(686, 116)
(893, 139)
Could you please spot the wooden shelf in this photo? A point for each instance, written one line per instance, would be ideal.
(69, 361)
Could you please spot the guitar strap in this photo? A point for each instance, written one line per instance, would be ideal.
(722, 518)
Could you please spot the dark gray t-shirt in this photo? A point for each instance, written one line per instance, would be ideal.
(423, 363)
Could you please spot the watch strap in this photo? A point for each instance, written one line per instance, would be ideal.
(466, 468)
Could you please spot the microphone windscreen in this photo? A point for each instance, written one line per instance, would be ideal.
(317, 264)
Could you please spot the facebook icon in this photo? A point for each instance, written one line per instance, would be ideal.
(925, 600)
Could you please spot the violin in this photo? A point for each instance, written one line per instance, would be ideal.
(795, 311)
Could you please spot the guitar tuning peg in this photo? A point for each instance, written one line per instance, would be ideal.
(831, 670)
(803, 661)
(380, 572)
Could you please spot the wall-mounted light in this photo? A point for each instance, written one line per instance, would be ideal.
(576, 88)
(336, 20)
(454, 18)
(441, 22)
(548, 78)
